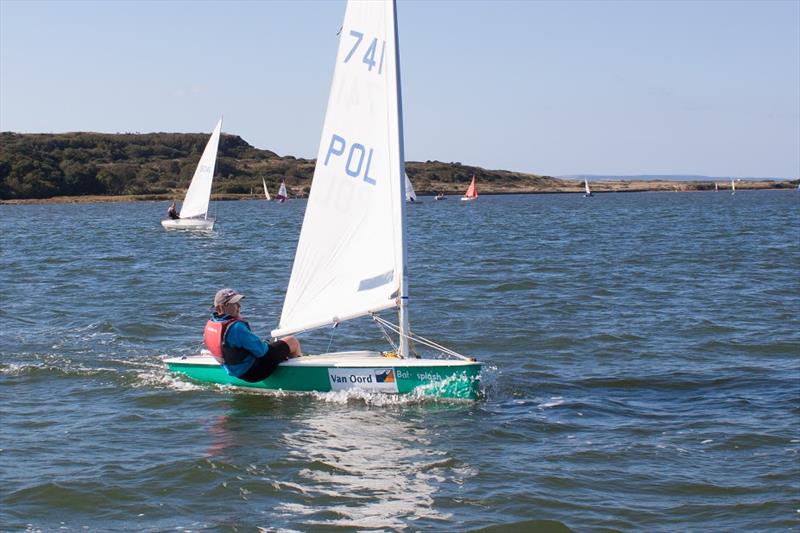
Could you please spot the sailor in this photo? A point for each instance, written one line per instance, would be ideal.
(172, 212)
(243, 355)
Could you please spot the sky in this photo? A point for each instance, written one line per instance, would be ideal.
(556, 88)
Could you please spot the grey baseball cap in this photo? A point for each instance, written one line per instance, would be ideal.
(226, 296)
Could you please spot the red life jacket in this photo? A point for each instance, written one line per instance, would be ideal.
(214, 336)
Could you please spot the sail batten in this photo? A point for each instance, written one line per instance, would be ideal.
(197, 197)
(349, 258)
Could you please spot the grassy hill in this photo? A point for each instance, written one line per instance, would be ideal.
(76, 164)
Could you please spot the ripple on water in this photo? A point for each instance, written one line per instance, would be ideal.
(641, 372)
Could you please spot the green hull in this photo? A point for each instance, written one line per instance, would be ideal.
(441, 379)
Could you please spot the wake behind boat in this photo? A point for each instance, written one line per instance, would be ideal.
(194, 211)
(351, 256)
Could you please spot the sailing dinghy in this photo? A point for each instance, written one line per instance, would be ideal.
(266, 191)
(733, 186)
(351, 256)
(588, 193)
(282, 195)
(472, 191)
(194, 210)
(411, 196)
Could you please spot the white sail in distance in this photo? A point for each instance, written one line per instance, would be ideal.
(349, 259)
(196, 202)
(282, 194)
(411, 196)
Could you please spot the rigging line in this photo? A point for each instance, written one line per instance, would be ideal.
(421, 339)
(330, 340)
(411, 344)
(432, 344)
(385, 334)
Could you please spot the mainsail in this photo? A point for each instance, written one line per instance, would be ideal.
(472, 190)
(411, 196)
(196, 202)
(586, 185)
(350, 256)
(282, 194)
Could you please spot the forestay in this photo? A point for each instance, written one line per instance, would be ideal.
(349, 259)
(196, 202)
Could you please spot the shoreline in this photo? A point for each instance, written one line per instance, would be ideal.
(599, 187)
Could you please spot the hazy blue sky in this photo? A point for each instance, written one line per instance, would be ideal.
(556, 88)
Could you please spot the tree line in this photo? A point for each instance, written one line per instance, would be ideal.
(77, 164)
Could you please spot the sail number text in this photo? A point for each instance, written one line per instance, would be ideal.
(369, 55)
(359, 157)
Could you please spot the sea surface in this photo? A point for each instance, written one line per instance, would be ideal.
(642, 372)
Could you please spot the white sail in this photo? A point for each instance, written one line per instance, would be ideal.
(586, 185)
(411, 196)
(282, 194)
(733, 186)
(266, 192)
(349, 259)
(196, 202)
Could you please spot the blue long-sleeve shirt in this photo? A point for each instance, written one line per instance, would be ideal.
(238, 335)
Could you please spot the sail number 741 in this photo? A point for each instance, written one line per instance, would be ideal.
(359, 157)
(369, 55)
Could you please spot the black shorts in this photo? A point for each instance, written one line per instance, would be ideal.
(264, 366)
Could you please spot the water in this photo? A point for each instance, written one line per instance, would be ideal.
(642, 372)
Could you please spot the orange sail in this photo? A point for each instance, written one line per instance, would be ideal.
(472, 191)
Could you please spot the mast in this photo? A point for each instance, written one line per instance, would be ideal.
(403, 296)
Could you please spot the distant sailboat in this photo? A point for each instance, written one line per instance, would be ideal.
(351, 255)
(440, 196)
(411, 196)
(472, 191)
(733, 186)
(588, 193)
(716, 186)
(195, 205)
(282, 195)
(266, 191)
